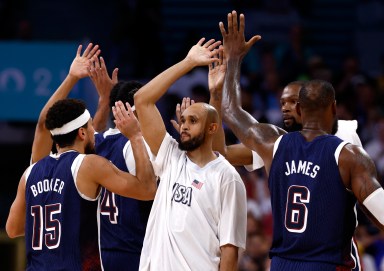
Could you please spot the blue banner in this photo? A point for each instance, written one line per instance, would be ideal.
(30, 72)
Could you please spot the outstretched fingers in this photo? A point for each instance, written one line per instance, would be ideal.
(201, 41)
(87, 50)
(235, 26)
(212, 44)
(253, 40)
(94, 52)
(230, 24)
(79, 50)
(117, 111)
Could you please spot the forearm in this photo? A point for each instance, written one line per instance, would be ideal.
(238, 120)
(61, 92)
(151, 92)
(100, 119)
(219, 138)
(229, 257)
(15, 225)
(144, 169)
(42, 143)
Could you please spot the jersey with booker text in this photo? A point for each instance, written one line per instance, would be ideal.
(313, 212)
(61, 226)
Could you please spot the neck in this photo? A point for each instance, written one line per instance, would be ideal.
(70, 148)
(201, 156)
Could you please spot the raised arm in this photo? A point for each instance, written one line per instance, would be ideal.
(216, 75)
(42, 142)
(129, 126)
(359, 175)
(96, 170)
(237, 154)
(103, 84)
(15, 225)
(152, 124)
(258, 137)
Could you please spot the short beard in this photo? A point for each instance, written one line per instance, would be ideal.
(89, 148)
(192, 144)
(294, 127)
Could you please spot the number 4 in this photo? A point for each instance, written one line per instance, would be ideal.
(108, 206)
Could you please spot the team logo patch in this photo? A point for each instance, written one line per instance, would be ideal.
(197, 184)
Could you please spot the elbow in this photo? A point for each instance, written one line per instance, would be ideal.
(151, 189)
(13, 232)
(138, 99)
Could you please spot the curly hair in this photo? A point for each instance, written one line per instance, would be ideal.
(124, 91)
(62, 112)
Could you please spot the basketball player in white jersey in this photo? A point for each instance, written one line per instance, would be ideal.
(198, 218)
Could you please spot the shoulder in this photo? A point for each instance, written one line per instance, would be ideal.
(354, 155)
(169, 144)
(227, 171)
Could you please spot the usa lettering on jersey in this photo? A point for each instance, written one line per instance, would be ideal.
(46, 186)
(182, 194)
(302, 167)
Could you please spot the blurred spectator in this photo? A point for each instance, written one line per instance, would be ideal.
(375, 148)
(255, 257)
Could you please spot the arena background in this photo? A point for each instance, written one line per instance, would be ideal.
(336, 40)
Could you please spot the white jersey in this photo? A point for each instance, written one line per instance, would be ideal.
(346, 131)
(195, 211)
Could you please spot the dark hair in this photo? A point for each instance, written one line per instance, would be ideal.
(124, 91)
(62, 112)
(300, 83)
(316, 94)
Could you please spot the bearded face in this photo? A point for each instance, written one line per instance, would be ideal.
(293, 126)
(89, 148)
(192, 143)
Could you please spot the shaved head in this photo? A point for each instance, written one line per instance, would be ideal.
(316, 94)
(208, 110)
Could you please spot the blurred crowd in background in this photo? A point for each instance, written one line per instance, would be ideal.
(333, 40)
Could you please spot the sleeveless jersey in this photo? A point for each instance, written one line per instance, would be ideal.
(61, 226)
(313, 213)
(122, 220)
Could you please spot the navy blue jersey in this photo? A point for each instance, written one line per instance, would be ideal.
(61, 226)
(313, 213)
(122, 220)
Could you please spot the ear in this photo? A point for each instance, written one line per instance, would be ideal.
(298, 109)
(334, 108)
(212, 128)
(81, 133)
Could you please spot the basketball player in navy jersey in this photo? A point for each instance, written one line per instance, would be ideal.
(55, 205)
(42, 141)
(315, 178)
(122, 220)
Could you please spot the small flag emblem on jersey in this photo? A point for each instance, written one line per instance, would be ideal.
(197, 184)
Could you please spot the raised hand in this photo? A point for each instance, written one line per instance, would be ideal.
(126, 120)
(233, 40)
(100, 78)
(216, 74)
(81, 64)
(187, 102)
(202, 54)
